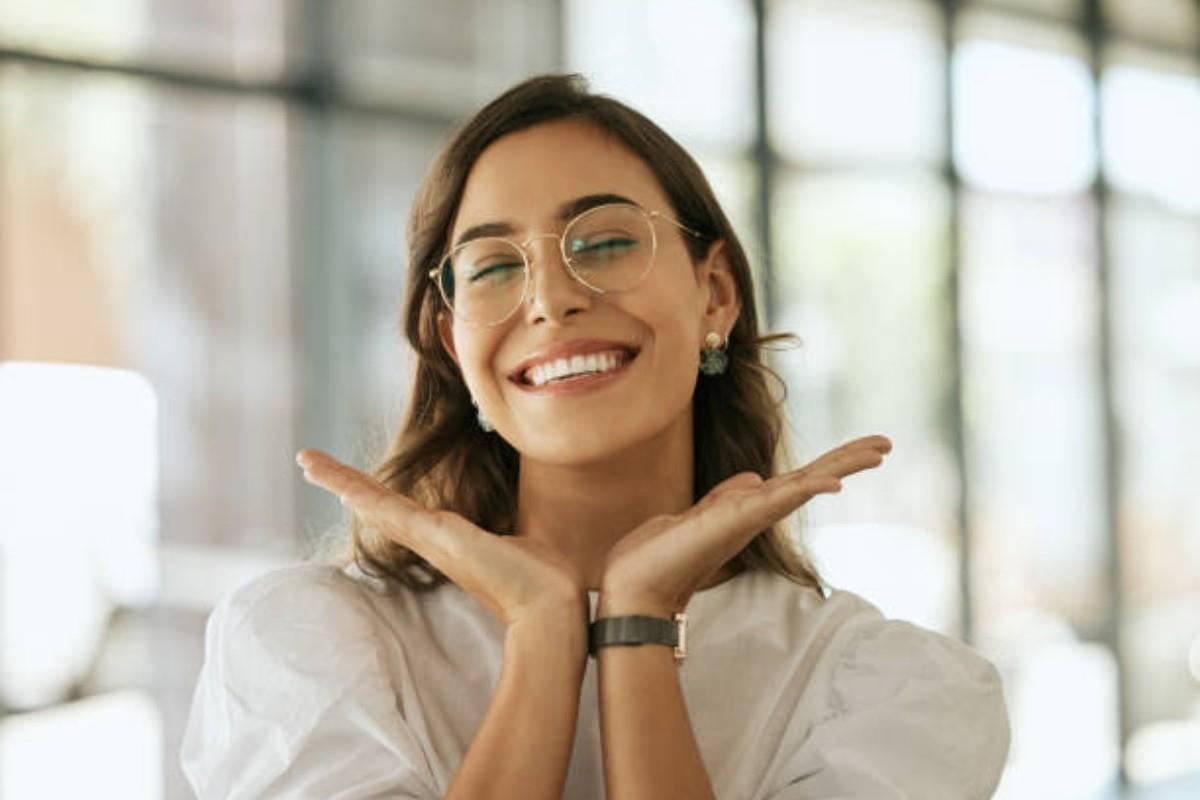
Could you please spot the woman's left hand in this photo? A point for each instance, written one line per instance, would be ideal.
(656, 567)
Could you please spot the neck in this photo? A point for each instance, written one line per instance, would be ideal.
(583, 509)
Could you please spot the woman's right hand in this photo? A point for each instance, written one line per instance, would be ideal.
(514, 577)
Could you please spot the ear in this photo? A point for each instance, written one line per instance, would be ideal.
(445, 327)
(720, 300)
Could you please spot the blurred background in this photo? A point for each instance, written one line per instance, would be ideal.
(981, 218)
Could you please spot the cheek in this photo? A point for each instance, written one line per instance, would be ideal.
(476, 353)
(674, 357)
(675, 369)
(671, 315)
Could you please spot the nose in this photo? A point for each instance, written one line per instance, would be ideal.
(554, 293)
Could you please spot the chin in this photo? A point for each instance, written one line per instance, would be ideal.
(586, 441)
(572, 449)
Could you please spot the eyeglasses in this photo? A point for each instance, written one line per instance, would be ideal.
(608, 248)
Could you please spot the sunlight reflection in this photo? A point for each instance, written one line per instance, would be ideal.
(78, 478)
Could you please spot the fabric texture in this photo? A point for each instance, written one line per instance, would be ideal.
(320, 683)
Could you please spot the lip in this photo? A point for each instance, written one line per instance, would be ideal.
(575, 347)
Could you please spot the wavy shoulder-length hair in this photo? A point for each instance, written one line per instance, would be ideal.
(443, 459)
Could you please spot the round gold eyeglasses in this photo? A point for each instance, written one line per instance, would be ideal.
(608, 248)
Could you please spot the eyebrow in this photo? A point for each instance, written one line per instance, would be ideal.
(567, 211)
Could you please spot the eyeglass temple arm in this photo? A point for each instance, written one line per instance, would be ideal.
(678, 224)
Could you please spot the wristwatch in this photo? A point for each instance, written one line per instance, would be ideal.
(639, 630)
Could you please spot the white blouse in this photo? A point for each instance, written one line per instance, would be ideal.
(319, 684)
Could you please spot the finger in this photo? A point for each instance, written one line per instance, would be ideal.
(742, 480)
(738, 481)
(850, 458)
(738, 508)
(352, 486)
(880, 444)
(436, 536)
(783, 494)
(849, 463)
(739, 514)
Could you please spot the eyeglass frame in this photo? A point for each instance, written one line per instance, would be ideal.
(651, 216)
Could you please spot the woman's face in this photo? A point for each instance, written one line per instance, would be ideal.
(655, 332)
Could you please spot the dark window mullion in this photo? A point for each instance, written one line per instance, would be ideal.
(1095, 29)
(956, 423)
(765, 164)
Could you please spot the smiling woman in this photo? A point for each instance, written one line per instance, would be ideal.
(589, 463)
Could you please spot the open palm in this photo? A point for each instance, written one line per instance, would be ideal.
(661, 563)
(511, 576)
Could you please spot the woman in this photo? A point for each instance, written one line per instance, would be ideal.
(591, 438)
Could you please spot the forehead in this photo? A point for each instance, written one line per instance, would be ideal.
(526, 176)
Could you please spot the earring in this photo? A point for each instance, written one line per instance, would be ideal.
(713, 359)
(484, 422)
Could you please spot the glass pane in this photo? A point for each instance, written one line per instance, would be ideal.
(689, 66)
(861, 275)
(34, 746)
(1156, 285)
(1034, 428)
(1029, 310)
(245, 41)
(856, 81)
(733, 181)
(157, 222)
(1151, 120)
(1172, 22)
(90, 432)
(450, 56)
(1063, 9)
(1024, 112)
(378, 167)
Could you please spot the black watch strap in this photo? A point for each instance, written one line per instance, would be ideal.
(639, 630)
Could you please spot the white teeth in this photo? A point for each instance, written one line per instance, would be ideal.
(547, 371)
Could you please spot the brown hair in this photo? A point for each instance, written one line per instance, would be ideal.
(442, 458)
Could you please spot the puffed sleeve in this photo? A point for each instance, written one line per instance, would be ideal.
(292, 700)
(909, 714)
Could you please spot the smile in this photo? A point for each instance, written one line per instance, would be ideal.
(575, 373)
(568, 368)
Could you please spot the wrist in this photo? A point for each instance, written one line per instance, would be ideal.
(551, 632)
(618, 603)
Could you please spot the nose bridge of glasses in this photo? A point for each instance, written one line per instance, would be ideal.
(554, 251)
(534, 237)
(554, 271)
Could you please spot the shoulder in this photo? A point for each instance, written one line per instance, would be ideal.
(300, 616)
(294, 697)
(927, 709)
(807, 621)
(874, 644)
(301, 591)
(871, 655)
(853, 633)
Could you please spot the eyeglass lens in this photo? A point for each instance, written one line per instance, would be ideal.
(608, 249)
